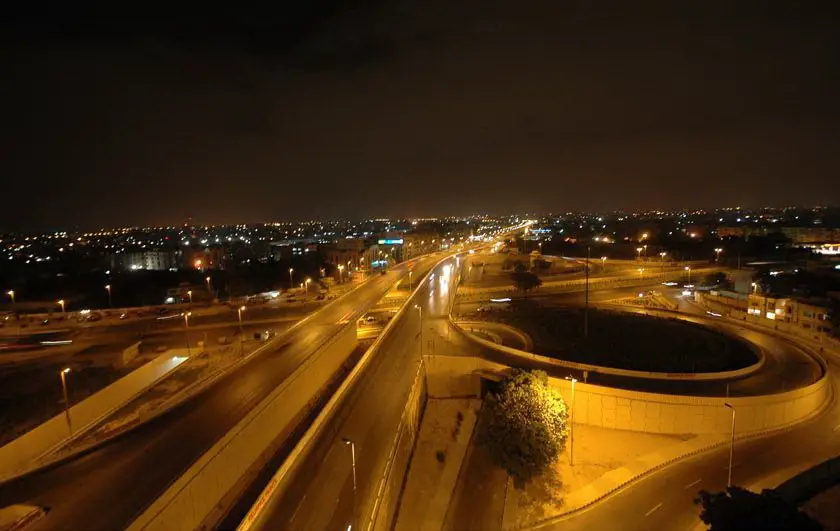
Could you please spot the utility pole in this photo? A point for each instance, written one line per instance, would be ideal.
(586, 299)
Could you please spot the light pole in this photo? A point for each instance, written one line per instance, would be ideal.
(189, 293)
(717, 254)
(586, 300)
(340, 273)
(604, 264)
(207, 281)
(11, 293)
(187, 331)
(61, 303)
(572, 424)
(108, 289)
(638, 253)
(352, 446)
(688, 268)
(291, 278)
(540, 244)
(306, 286)
(731, 444)
(63, 374)
(409, 281)
(420, 318)
(241, 333)
(662, 256)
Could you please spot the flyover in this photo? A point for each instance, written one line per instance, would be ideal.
(109, 487)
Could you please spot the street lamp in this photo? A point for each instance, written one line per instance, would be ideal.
(638, 253)
(63, 374)
(688, 268)
(352, 445)
(662, 255)
(717, 254)
(572, 424)
(11, 293)
(207, 281)
(540, 244)
(241, 333)
(340, 273)
(420, 336)
(60, 302)
(306, 286)
(604, 263)
(291, 279)
(409, 280)
(731, 444)
(189, 293)
(108, 289)
(187, 331)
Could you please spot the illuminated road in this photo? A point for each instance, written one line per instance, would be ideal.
(107, 488)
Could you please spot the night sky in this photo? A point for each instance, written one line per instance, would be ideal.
(414, 108)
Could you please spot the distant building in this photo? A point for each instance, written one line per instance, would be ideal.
(795, 234)
(287, 249)
(347, 252)
(202, 259)
(149, 260)
(810, 314)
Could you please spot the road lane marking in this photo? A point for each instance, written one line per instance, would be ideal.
(692, 484)
(654, 509)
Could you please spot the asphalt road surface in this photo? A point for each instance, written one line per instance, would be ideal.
(109, 487)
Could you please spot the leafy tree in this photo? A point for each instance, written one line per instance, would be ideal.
(525, 280)
(738, 509)
(525, 426)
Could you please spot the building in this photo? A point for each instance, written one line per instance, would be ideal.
(813, 314)
(347, 252)
(203, 259)
(149, 260)
(797, 235)
(287, 249)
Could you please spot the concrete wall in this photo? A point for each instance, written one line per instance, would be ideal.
(130, 353)
(645, 412)
(202, 494)
(20, 454)
(388, 495)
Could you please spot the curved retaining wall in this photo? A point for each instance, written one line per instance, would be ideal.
(552, 362)
(639, 411)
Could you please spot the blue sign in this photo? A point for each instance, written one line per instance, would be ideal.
(391, 242)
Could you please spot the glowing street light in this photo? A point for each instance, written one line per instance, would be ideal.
(572, 424)
(638, 253)
(604, 263)
(11, 293)
(60, 302)
(688, 268)
(291, 278)
(187, 331)
(409, 280)
(352, 446)
(63, 374)
(341, 273)
(189, 293)
(662, 255)
(420, 322)
(108, 289)
(207, 281)
(306, 286)
(241, 333)
(717, 254)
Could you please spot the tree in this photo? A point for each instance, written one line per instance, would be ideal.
(524, 280)
(525, 426)
(738, 509)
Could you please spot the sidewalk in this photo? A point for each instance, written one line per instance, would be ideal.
(436, 463)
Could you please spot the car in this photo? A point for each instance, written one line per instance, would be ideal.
(123, 316)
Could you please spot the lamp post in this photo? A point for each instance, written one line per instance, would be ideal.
(63, 374)
(420, 336)
(688, 268)
(409, 281)
(717, 254)
(572, 424)
(638, 253)
(731, 444)
(61, 303)
(189, 293)
(291, 278)
(604, 264)
(187, 331)
(662, 255)
(352, 445)
(241, 333)
(108, 289)
(306, 286)
(11, 293)
(207, 281)
(340, 273)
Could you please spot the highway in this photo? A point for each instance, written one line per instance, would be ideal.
(321, 495)
(109, 487)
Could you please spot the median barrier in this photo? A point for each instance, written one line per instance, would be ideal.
(19, 456)
(200, 497)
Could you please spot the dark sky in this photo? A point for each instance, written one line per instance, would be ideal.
(414, 107)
